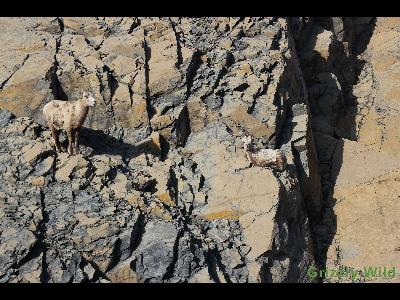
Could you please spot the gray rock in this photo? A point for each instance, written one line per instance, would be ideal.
(155, 255)
(5, 117)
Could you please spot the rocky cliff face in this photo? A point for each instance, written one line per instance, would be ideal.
(162, 190)
(350, 69)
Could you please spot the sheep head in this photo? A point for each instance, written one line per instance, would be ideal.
(88, 99)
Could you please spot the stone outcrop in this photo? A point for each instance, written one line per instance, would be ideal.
(162, 190)
(366, 191)
(350, 72)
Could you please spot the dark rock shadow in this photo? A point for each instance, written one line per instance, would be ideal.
(346, 66)
(103, 143)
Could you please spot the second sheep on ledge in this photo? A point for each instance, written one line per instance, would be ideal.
(274, 159)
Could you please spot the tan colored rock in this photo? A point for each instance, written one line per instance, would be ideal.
(367, 191)
(156, 140)
(249, 195)
(163, 73)
(226, 44)
(121, 97)
(200, 197)
(119, 186)
(161, 121)
(130, 113)
(27, 89)
(140, 160)
(199, 115)
(102, 164)
(91, 27)
(201, 276)
(251, 198)
(84, 220)
(91, 62)
(133, 198)
(21, 126)
(123, 274)
(129, 46)
(323, 42)
(239, 116)
(30, 153)
(165, 198)
(123, 65)
(244, 69)
(68, 165)
(159, 211)
(38, 181)
(96, 232)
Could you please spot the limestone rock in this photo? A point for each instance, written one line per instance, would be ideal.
(68, 166)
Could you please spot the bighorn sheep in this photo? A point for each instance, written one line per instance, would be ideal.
(68, 116)
(271, 158)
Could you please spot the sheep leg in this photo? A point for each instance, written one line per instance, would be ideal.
(70, 141)
(54, 133)
(76, 144)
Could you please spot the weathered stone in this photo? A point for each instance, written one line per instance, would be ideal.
(30, 154)
(15, 245)
(123, 274)
(39, 181)
(155, 255)
(67, 166)
(5, 117)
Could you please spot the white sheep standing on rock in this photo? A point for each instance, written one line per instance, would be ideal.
(68, 116)
(271, 158)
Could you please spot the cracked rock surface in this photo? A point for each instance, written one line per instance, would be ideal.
(162, 190)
